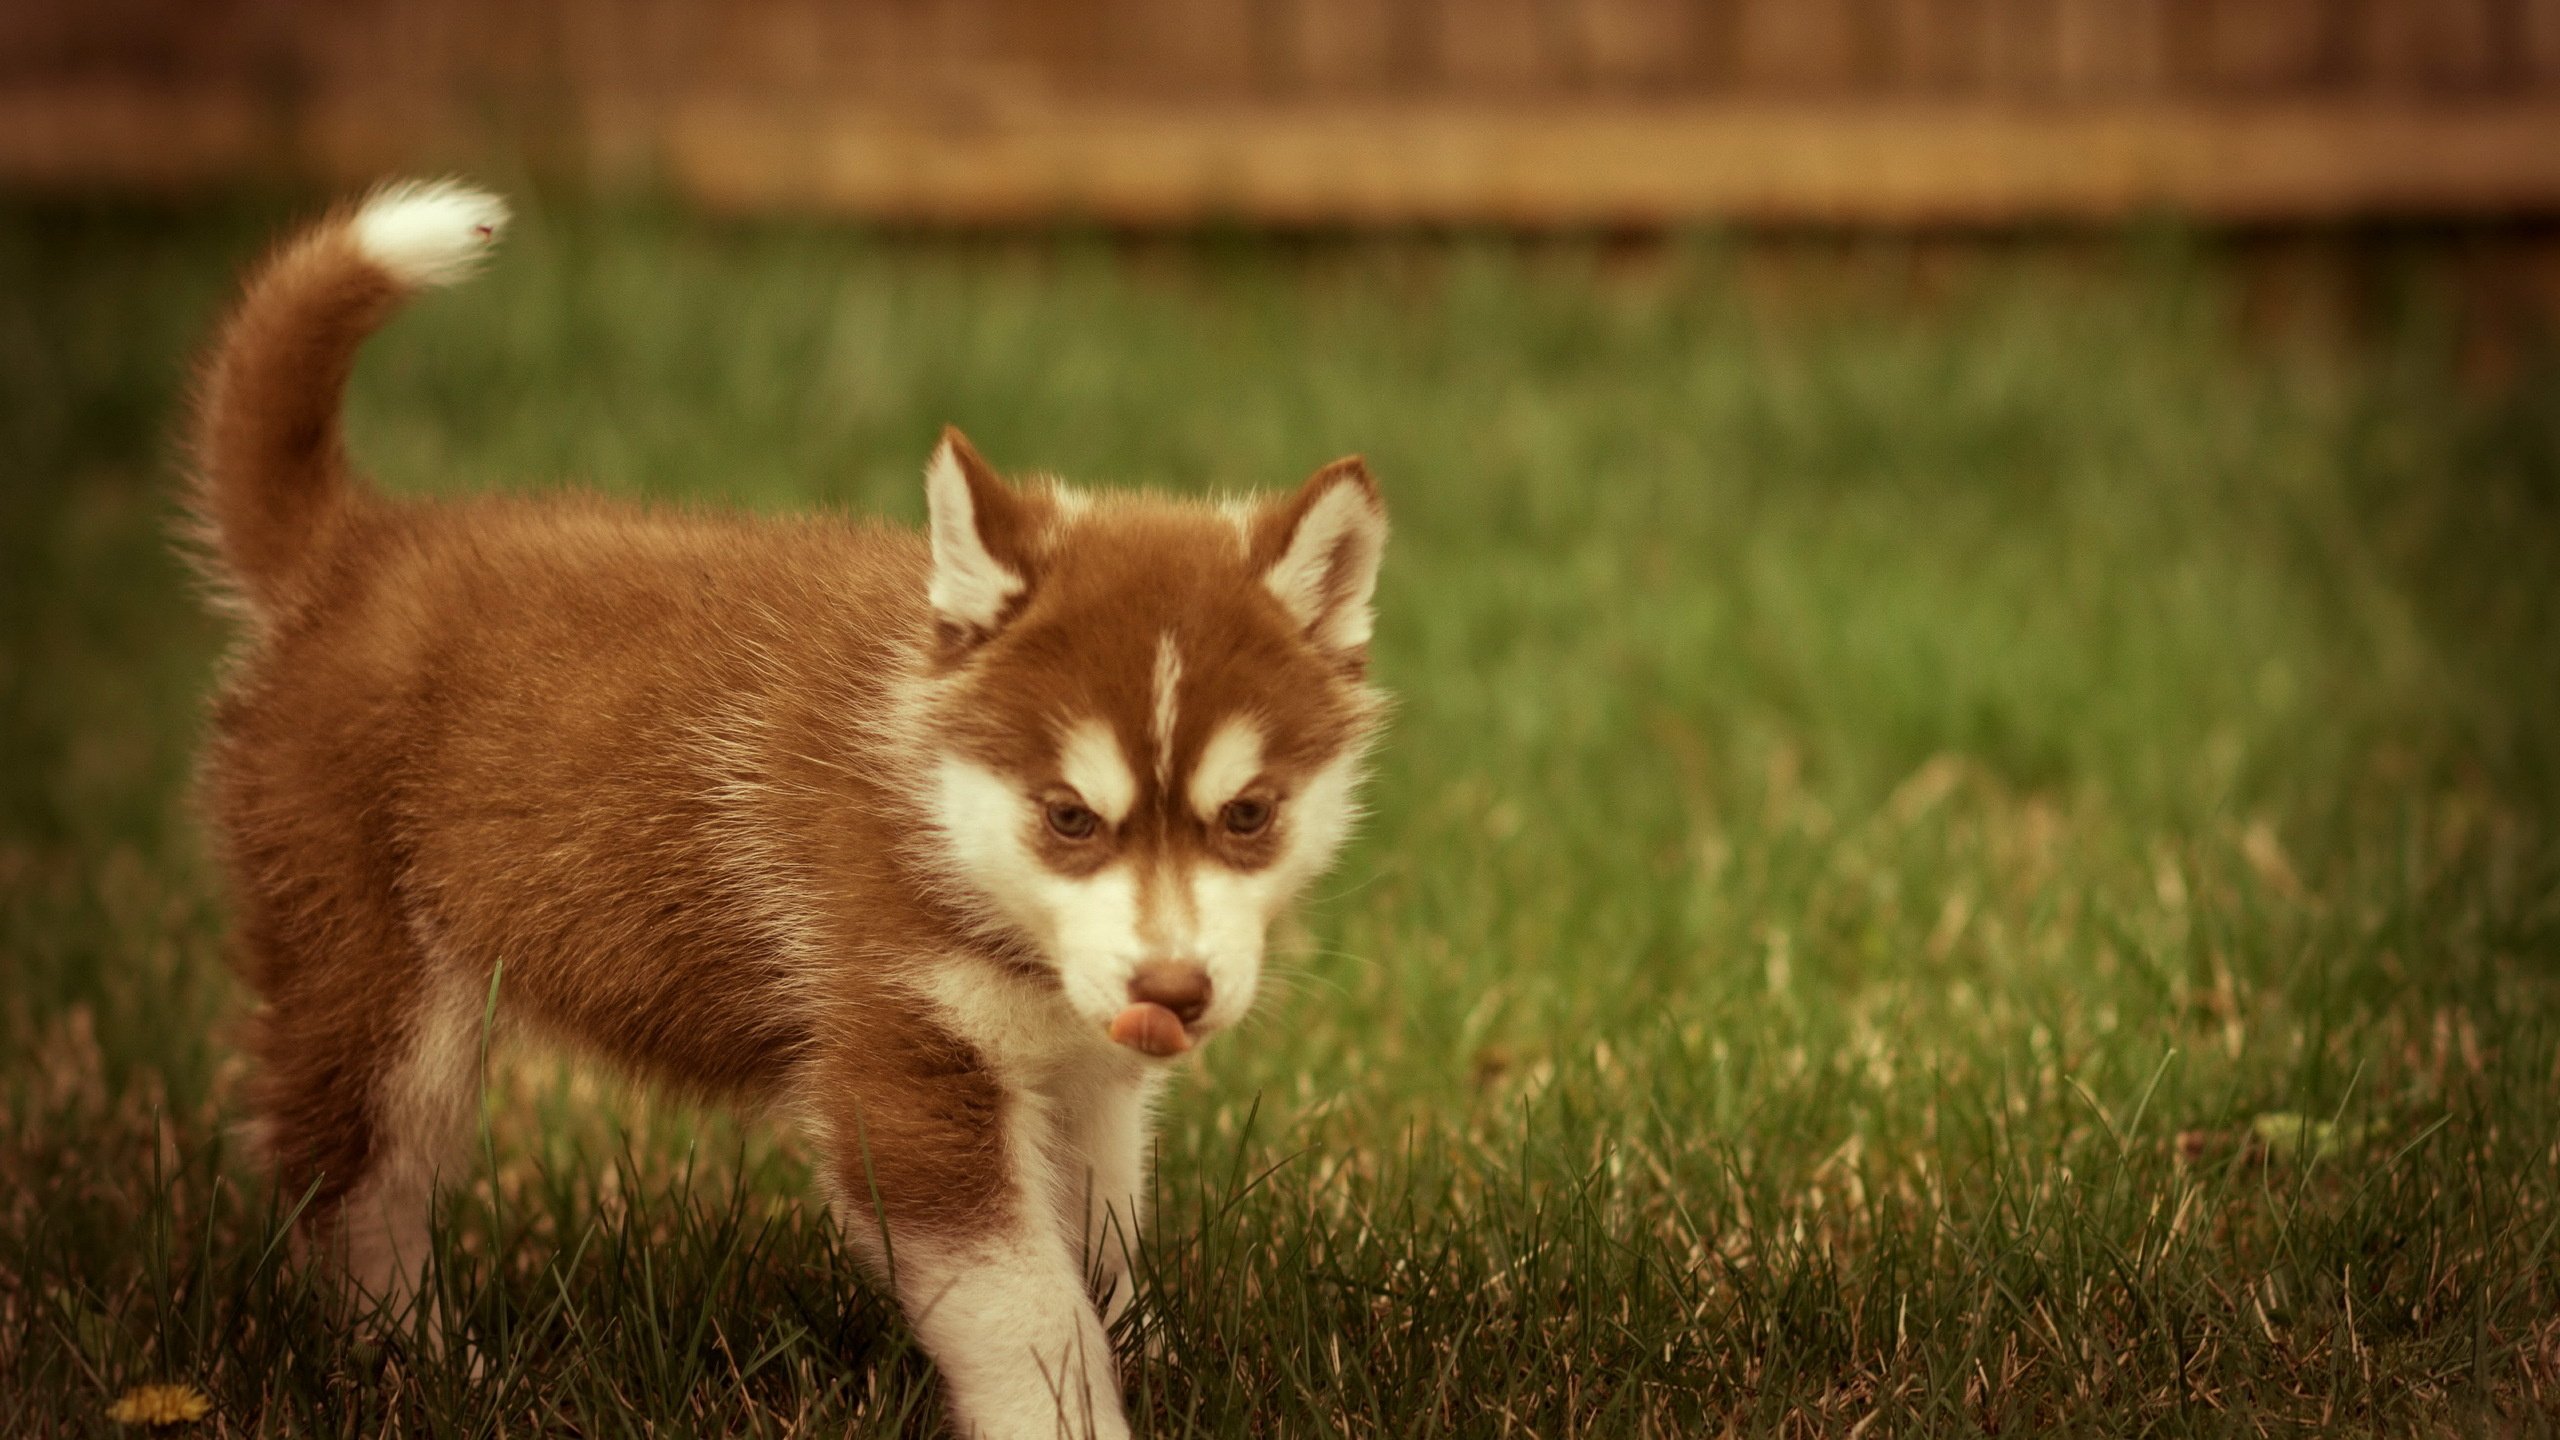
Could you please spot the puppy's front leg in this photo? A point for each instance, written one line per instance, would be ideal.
(943, 1186)
(1006, 1317)
(1101, 1143)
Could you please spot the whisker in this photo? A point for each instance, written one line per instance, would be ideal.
(1370, 962)
(1300, 982)
(1350, 890)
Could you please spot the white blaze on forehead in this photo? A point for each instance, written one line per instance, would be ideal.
(1228, 763)
(1091, 761)
(1167, 711)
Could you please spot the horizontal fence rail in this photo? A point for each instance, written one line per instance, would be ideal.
(1533, 112)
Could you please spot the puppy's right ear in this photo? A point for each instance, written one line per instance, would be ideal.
(981, 552)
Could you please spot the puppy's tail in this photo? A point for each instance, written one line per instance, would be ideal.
(271, 478)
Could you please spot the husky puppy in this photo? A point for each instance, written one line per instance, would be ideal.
(942, 844)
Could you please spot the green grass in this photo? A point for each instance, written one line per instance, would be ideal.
(1909, 768)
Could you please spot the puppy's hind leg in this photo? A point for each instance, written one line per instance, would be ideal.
(366, 1090)
(422, 1113)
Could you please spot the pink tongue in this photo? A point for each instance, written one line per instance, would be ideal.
(1150, 1029)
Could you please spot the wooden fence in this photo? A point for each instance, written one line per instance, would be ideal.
(1540, 112)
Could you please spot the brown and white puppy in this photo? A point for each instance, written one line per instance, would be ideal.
(942, 843)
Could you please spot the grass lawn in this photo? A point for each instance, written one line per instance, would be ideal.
(1968, 843)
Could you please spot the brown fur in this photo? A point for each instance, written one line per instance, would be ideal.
(665, 767)
(268, 407)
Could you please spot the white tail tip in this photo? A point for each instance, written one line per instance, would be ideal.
(428, 232)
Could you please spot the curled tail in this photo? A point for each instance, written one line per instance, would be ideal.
(270, 465)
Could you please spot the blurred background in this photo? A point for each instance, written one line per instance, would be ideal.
(1299, 112)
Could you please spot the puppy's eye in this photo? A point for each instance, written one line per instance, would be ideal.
(1246, 817)
(1072, 821)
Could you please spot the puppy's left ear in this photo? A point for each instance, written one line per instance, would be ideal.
(1318, 552)
(981, 530)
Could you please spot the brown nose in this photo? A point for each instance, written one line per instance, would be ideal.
(1180, 986)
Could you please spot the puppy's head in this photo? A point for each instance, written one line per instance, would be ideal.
(1151, 716)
